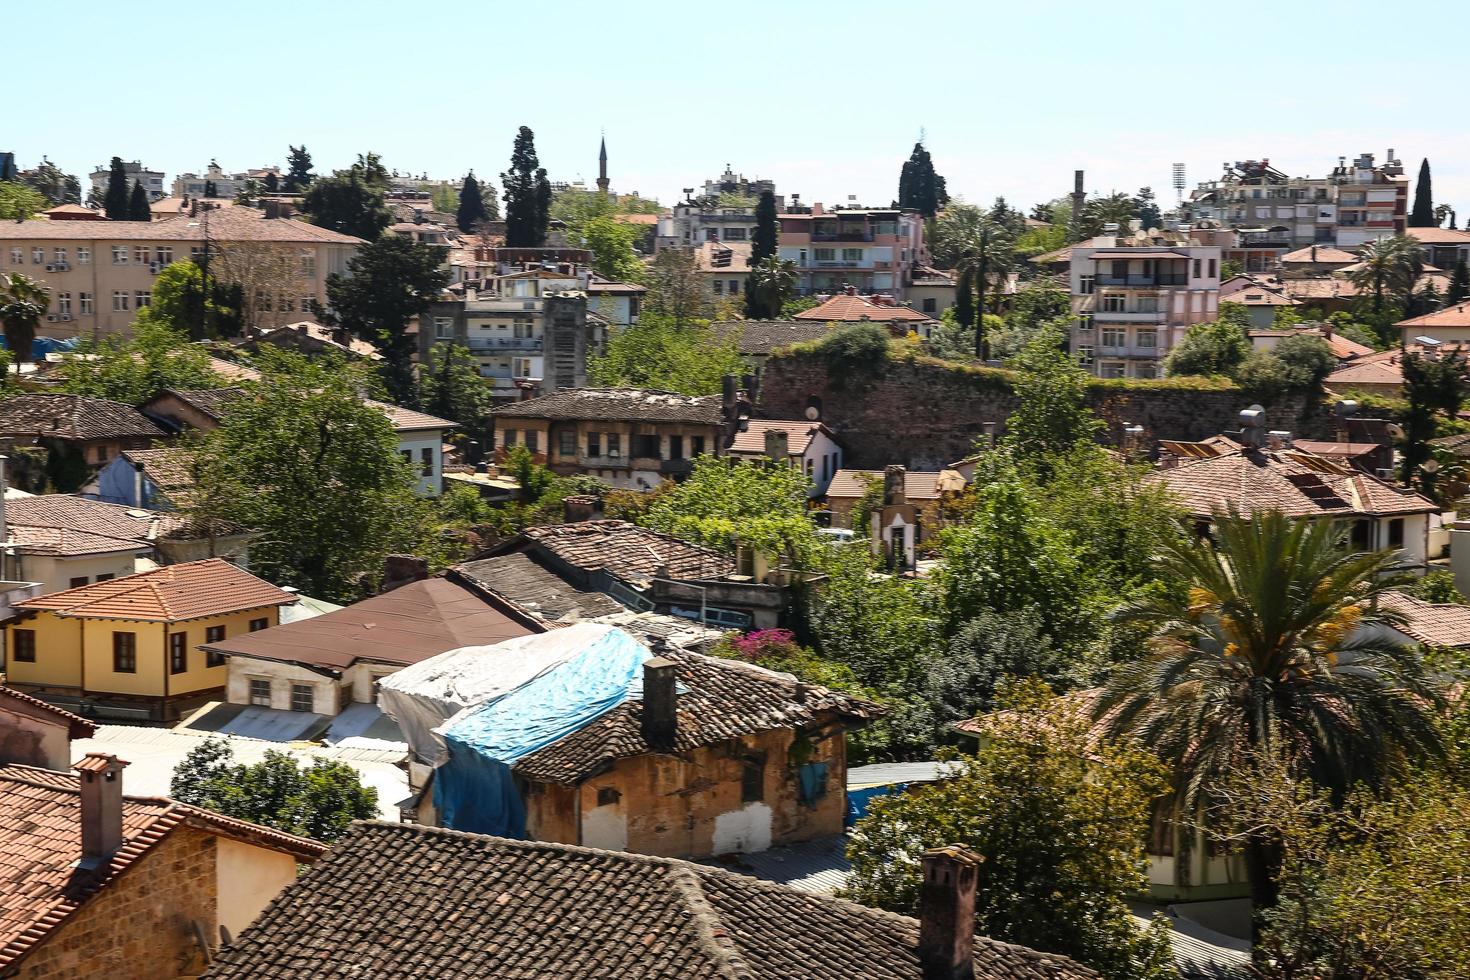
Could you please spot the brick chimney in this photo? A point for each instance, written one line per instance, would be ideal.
(579, 507)
(400, 570)
(895, 493)
(102, 817)
(777, 445)
(660, 704)
(947, 913)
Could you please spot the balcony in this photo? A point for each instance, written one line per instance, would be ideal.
(676, 467)
(837, 264)
(504, 343)
(1159, 279)
(1130, 316)
(1128, 350)
(842, 236)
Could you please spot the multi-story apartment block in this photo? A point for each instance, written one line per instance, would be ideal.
(100, 273)
(872, 250)
(152, 180)
(225, 185)
(1134, 303)
(704, 219)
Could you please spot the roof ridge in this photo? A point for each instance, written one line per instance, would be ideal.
(714, 938)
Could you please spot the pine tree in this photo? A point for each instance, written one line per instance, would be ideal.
(1459, 283)
(763, 243)
(272, 182)
(472, 209)
(1423, 214)
(138, 204)
(298, 170)
(964, 301)
(527, 195)
(115, 202)
(919, 187)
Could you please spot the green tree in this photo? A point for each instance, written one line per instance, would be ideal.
(1060, 819)
(451, 387)
(249, 192)
(1257, 648)
(764, 241)
(272, 183)
(964, 301)
(472, 211)
(1052, 415)
(18, 202)
(1149, 215)
(303, 459)
(319, 801)
(48, 180)
(880, 626)
(138, 209)
(23, 301)
(347, 203)
(1459, 290)
(919, 187)
(1099, 212)
(179, 302)
(1217, 347)
(527, 195)
(611, 243)
(1422, 216)
(769, 285)
(389, 282)
(987, 254)
(1432, 386)
(724, 503)
(657, 353)
(1389, 268)
(298, 170)
(115, 202)
(675, 287)
(134, 369)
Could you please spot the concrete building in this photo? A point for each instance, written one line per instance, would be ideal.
(101, 273)
(808, 447)
(872, 250)
(1134, 303)
(152, 180)
(707, 218)
(226, 185)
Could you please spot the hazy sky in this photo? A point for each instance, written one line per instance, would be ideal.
(825, 98)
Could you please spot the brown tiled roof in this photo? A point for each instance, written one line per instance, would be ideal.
(1326, 448)
(600, 286)
(1439, 236)
(853, 483)
(623, 549)
(72, 417)
(408, 420)
(374, 906)
(215, 402)
(67, 543)
(759, 337)
(411, 623)
(799, 435)
(518, 578)
(41, 842)
(721, 700)
(1297, 484)
(171, 594)
(170, 470)
(226, 225)
(1432, 623)
(79, 515)
(618, 405)
(1322, 254)
(853, 309)
(77, 726)
(1450, 316)
(322, 335)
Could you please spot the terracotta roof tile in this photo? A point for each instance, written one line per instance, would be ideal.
(534, 910)
(67, 522)
(1320, 254)
(78, 726)
(1439, 236)
(233, 224)
(170, 594)
(853, 309)
(73, 417)
(619, 405)
(622, 549)
(533, 588)
(1434, 624)
(853, 483)
(799, 435)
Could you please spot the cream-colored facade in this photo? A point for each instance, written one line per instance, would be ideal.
(100, 273)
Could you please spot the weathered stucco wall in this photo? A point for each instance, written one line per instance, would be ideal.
(926, 414)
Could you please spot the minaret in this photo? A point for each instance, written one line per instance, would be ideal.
(602, 181)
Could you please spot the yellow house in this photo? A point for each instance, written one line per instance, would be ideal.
(130, 646)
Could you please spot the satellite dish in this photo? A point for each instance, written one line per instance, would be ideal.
(1430, 466)
(1258, 407)
(1395, 430)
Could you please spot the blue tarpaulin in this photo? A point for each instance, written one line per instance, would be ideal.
(41, 346)
(474, 789)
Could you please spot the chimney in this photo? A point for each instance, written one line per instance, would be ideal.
(895, 494)
(660, 704)
(399, 570)
(102, 816)
(138, 500)
(776, 445)
(947, 913)
(579, 507)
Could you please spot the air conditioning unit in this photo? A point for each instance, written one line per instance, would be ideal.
(51, 268)
(66, 318)
(63, 266)
(50, 317)
(614, 454)
(153, 267)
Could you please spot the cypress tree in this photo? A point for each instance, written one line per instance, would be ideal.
(527, 195)
(964, 301)
(1423, 214)
(138, 204)
(763, 244)
(209, 189)
(919, 187)
(298, 169)
(115, 201)
(272, 183)
(1459, 283)
(471, 204)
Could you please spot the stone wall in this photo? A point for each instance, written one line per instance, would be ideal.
(138, 927)
(926, 413)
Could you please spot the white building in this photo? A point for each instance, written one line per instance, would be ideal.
(808, 446)
(152, 180)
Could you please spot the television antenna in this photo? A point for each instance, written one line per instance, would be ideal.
(1179, 181)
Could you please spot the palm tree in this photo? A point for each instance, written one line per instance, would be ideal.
(23, 302)
(985, 250)
(767, 288)
(1389, 266)
(1259, 655)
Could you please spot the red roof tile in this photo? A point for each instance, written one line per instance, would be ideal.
(78, 726)
(852, 309)
(799, 435)
(853, 483)
(171, 594)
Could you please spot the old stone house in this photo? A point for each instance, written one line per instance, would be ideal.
(78, 434)
(34, 733)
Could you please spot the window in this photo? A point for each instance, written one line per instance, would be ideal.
(163, 254)
(507, 440)
(531, 440)
(825, 254)
(104, 577)
(614, 444)
(594, 444)
(1113, 337)
(58, 255)
(212, 659)
(696, 445)
(1148, 338)
(38, 256)
(1084, 356)
(214, 634)
(308, 265)
(119, 255)
(140, 254)
(1114, 369)
(84, 255)
(1084, 322)
(645, 447)
(718, 286)
(120, 300)
(301, 697)
(84, 301)
(178, 653)
(142, 298)
(852, 255)
(256, 625)
(1196, 268)
(125, 653)
(929, 305)
(260, 692)
(426, 462)
(17, 256)
(520, 367)
(78, 582)
(752, 778)
(1214, 268)
(1114, 302)
(102, 454)
(1148, 371)
(676, 447)
(25, 646)
(734, 287)
(566, 444)
(1396, 533)
(734, 234)
(63, 304)
(607, 796)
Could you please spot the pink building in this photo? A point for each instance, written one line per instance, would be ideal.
(873, 250)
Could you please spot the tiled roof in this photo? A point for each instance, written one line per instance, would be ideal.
(853, 483)
(375, 906)
(411, 623)
(759, 337)
(322, 335)
(625, 550)
(171, 470)
(1439, 236)
(851, 309)
(618, 405)
(599, 286)
(720, 700)
(1366, 372)
(73, 417)
(66, 543)
(234, 224)
(518, 578)
(1297, 484)
(77, 726)
(799, 435)
(1321, 254)
(407, 420)
(215, 403)
(1326, 448)
(171, 594)
(41, 841)
(1450, 316)
(81, 516)
(1432, 623)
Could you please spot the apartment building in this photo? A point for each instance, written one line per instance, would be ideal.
(872, 250)
(1134, 303)
(226, 185)
(152, 180)
(100, 273)
(704, 219)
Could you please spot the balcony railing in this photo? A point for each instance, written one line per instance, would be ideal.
(1160, 279)
(1131, 316)
(836, 264)
(842, 236)
(504, 343)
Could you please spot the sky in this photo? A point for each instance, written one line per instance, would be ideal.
(825, 98)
